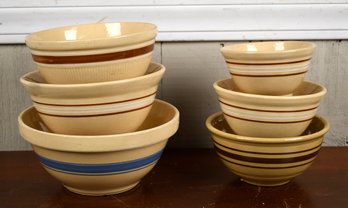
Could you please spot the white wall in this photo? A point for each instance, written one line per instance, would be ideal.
(192, 67)
(185, 20)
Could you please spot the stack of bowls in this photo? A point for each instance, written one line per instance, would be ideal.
(95, 124)
(268, 131)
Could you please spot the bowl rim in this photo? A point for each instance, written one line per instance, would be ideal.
(100, 143)
(321, 93)
(231, 47)
(83, 44)
(248, 139)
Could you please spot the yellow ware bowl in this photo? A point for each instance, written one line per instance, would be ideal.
(102, 164)
(266, 161)
(93, 52)
(269, 79)
(269, 116)
(269, 52)
(268, 68)
(94, 108)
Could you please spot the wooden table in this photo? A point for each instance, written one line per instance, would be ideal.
(182, 178)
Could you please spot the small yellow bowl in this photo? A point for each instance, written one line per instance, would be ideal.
(102, 164)
(93, 52)
(268, 68)
(269, 116)
(94, 108)
(269, 79)
(266, 161)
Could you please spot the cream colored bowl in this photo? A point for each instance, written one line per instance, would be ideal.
(268, 79)
(93, 52)
(269, 116)
(103, 164)
(266, 161)
(94, 108)
(268, 52)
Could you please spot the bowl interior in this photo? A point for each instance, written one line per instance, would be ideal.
(219, 124)
(269, 47)
(161, 123)
(91, 31)
(160, 114)
(305, 88)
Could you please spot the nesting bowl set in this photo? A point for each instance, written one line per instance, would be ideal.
(96, 124)
(97, 127)
(268, 131)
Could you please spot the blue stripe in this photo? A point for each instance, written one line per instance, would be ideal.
(100, 169)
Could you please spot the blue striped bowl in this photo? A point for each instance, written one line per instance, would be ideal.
(104, 164)
(266, 161)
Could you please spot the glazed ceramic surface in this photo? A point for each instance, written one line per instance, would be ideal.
(266, 161)
(268, 79)
(93, 52)
(268, 52)
(269, 116)
(102, 164)
(94, 108)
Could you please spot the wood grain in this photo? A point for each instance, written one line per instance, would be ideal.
(15, 60)
(329, 68)
(192, 70)
(182, 178)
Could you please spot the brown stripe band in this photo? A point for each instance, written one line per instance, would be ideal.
(271, 111)
(290, 62)
(81, 105)
(105, 114)
(273, 75)
(266, 160)
(275, 122)
(251, 166)
(93, 58)
(264, 153)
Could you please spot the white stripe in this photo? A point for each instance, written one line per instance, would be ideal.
(95, 109)
(268, 116)
(268, 69)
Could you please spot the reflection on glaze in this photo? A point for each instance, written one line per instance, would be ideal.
(113, 29)
(251, 48)
(279, 46)
(71, 34)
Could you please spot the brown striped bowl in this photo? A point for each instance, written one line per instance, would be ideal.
(268, 68)
(93, 52)
(269, 79)
(102, 164)
(269, 116)
(95, 108)
(266, 161)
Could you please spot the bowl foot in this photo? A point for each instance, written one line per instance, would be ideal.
(265, 183)
(101, 192)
